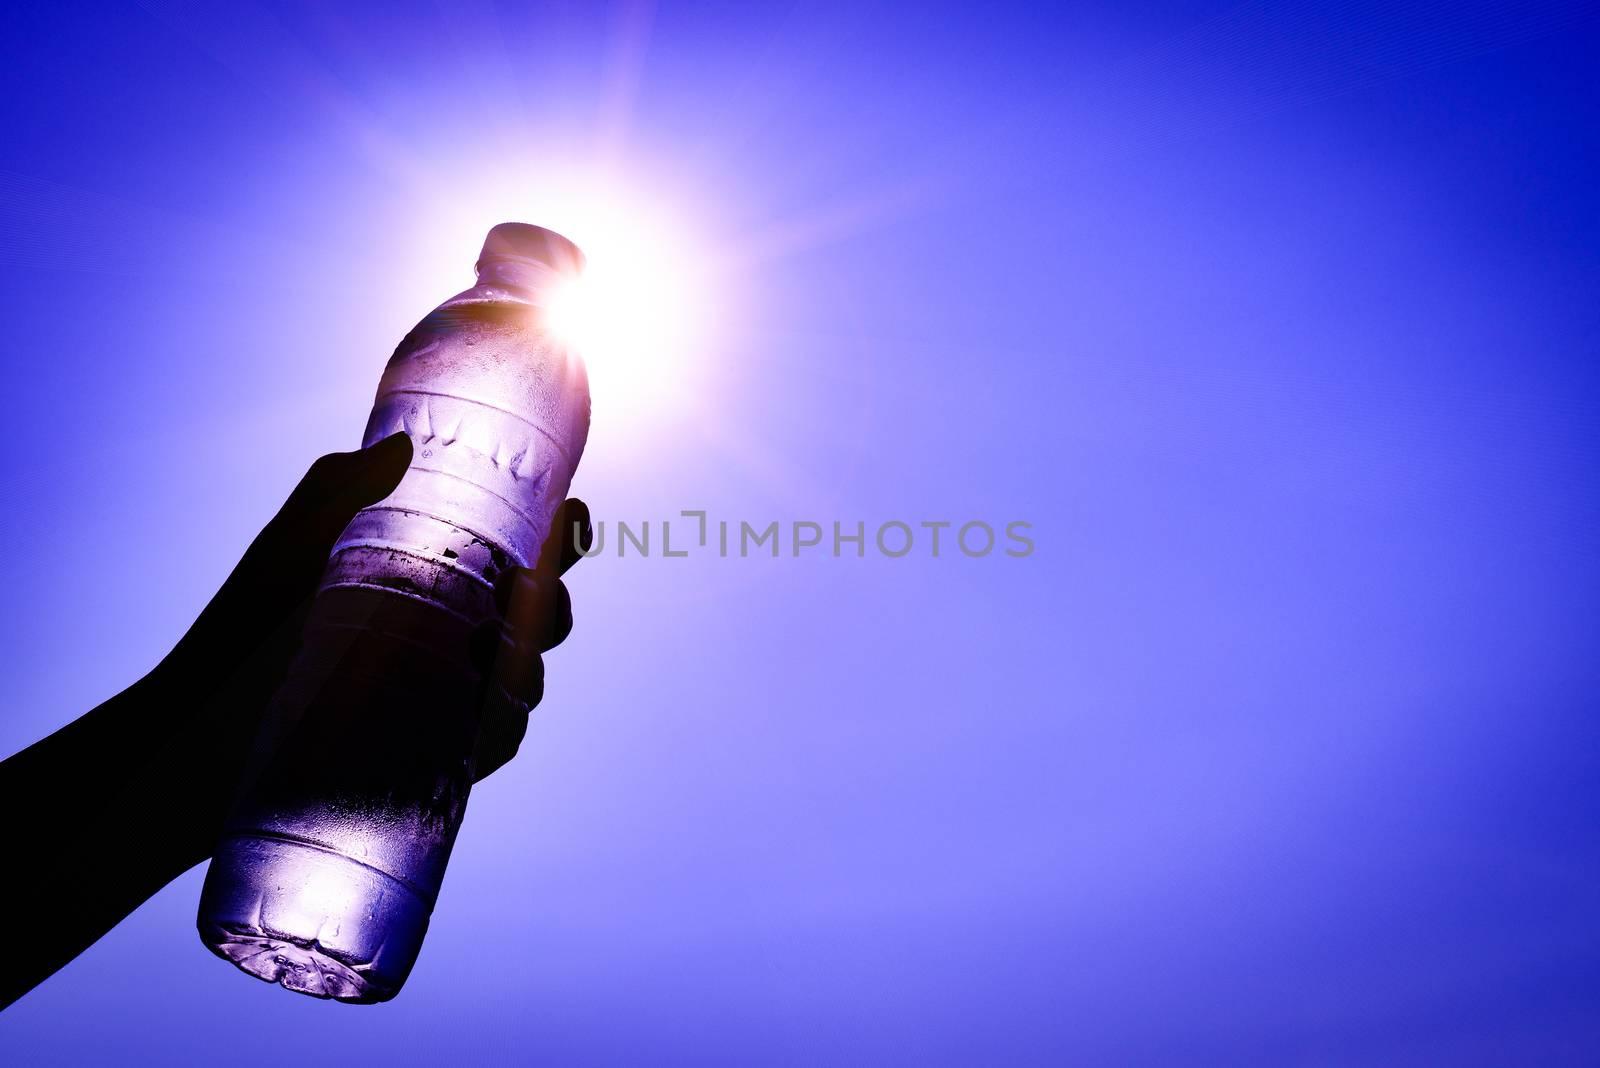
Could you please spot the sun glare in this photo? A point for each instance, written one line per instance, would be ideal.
(638, 316)
(633, 313)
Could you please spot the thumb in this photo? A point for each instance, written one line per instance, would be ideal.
(346, 482)
(295, 544)
(280, 570)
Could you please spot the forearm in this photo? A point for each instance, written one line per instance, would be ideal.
(103, 813)
(115, 805)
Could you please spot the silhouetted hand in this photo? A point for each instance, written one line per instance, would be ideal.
(107, 810)
(236, 654)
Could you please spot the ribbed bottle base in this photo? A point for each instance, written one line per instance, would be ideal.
(310, 919)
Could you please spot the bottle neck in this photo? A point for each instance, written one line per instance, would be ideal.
(531, 281)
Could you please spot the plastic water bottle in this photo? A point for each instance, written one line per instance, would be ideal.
(332, 860)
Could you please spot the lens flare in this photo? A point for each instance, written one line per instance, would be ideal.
(639, 316)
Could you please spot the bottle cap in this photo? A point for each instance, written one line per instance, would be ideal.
(533, 244)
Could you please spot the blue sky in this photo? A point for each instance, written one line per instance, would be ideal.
(1276, 322)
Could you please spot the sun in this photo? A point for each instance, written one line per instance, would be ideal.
(636, 315)
(640, 314)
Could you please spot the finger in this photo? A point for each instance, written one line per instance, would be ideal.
(376, 470)
(577, 533)
(560, 621)
(533, 607)
(513, 584)
(356, 479)
(500, 734)
(569, 537)
(338, 486)
(519, 671)
(525, 600)
(266, 594)
(284, 562)
(512, 687)
(503, 723)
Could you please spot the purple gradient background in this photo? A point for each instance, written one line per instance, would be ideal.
(1278, 322)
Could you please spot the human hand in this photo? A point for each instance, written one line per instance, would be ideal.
(223, 673)
(166, 754)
